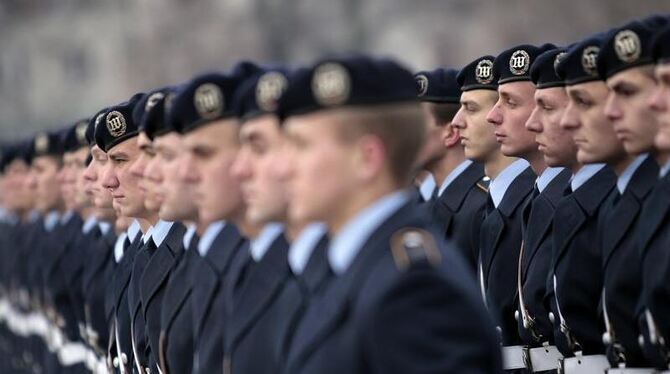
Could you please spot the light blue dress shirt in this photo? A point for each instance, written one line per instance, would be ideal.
(501, 183)
(118, 246)
(664, 169)
(89, 224)
(133, 230)
(104, 227)
(427, 187)
(302, 247)
(188, 236)
(51, 220)
(458, 170)
(584, 174)
(65, 218)
(161, 231)
(349, 241)
(211, 232)
(625, 177)
(260, 245)
(547, 176)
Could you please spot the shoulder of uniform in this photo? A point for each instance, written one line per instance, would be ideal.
(483, 184)
(410, 246)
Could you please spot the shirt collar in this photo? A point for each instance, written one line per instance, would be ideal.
(346, 244)
(146, 236)
(625, 177)
(65, 218)
(546, 177)
(453, 175)
(89, 224)
(427, 187)
(33, 216)
(208, 237)
(302, 247)
(260, 245)
(188, 236)
(584, 174)
(133, 230)
(119, 247)
(664, 169)
(499, 185)
(161, 231)
(50, 220)
(104, 227)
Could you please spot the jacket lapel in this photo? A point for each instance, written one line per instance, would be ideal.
(657, 208)
(266, 278)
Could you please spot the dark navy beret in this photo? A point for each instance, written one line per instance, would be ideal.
(579, 65)
(151, 113)
(92, 123)
(661, 46)
(117, 124)
(478, 75)
(260, 94)
(543, 71)
(626, 47)
(347, 81)
(513, 65)
(74, 137)
(207, 98)
(438, 86)
(48, 143)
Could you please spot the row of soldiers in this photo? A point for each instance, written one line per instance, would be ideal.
(352, 217)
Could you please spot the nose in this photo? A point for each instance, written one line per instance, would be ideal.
(534, 124)
(109, 179)
(657, 101)
(494, 116)
(241, 168)
(612, 110)
(459, 119)
(186, 169)
(569, 120)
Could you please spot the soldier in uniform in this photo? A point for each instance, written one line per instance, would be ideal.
(625, 63)
(269, 310)
(461, 197)
(653, 237)
(355, 129)
(575, 279)
(202, 113)
(558, 150)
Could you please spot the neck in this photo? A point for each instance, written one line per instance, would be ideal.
(144, 224)
(293, 231)
(356, 203)
(574, 168)
(446, 165)
(536, 161)
(248, 229)
(661, 157)
(496, 164)
(105, 214)
(621, 163)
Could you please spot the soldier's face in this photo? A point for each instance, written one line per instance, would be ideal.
(591, 130)
(206, 164)
(264, 194)
(477, 136)
(509, 116)
(19, 195)
(433, 147)
(555, 143)
(120, 182)
(66, 181)
(176, 195)
(44, 172)
(659, 102)
(100, 196)
(321, 168)
(634, 124)
(78, 166)
(139, 169)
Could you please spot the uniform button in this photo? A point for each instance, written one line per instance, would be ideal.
(551, 317)
(640, 340)
(516, 315)
(147, 370)
(607, 339)
(124, 359)
(115, 362)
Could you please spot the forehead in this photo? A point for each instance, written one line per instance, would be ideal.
(143, 140)
(215, 133)
(128, 146)
(263, 125)
(517, 89)
(481, 97)
(639, 74)
(551, 93)
(316, 123)
(169, 140)
(592, 88)
(663, 70)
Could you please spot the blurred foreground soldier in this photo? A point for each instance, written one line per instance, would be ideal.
(284, 293)
(626, 63)
(461, 194)
(575, 277)
(202, 112)
(653, 238)
(393, 307)
(558, 150)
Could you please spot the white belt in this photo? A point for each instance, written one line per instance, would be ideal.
(545, 358)
(631, 371)
(514, 357)
(72, 353)
(591, 364)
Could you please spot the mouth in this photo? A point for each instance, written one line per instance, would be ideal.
(500, 137)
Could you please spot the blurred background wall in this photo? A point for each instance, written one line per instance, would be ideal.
(62, 60)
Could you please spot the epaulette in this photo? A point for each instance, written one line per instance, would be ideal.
(411, 246)
(484, 184)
